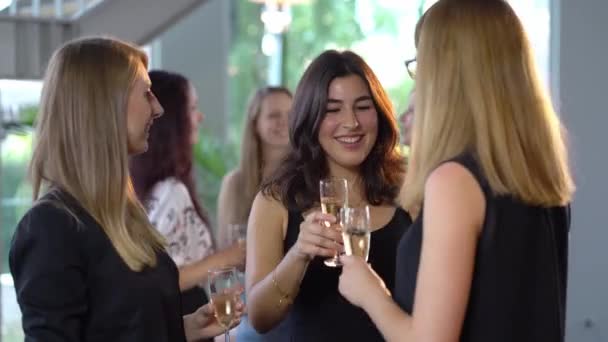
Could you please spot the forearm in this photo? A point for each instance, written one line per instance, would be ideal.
(196, 273)
(267, 303)
(394, 324)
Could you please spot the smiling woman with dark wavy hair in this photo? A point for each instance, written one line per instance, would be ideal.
(341, 125)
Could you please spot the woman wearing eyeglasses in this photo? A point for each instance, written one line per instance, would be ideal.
(486, 257)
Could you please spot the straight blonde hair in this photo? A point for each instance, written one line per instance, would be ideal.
(81, 141)
(478, 91)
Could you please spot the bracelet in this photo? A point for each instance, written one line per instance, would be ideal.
(284, 296)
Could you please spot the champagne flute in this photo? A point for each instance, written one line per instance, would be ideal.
(237, 234)
(222, 285)
(356, 231)
(334, 196)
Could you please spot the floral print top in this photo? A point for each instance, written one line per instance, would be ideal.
(172, 212)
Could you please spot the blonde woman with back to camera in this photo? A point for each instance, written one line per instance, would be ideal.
(87, 264)
(486, 257)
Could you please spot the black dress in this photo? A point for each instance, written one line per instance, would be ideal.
(319, 313)
(518, 290)
(73, 286)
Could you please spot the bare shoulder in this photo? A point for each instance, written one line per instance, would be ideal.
(453, 188)
(228, 195)
(452, 174)
(268, 204)
(269, 212)
(230, 179)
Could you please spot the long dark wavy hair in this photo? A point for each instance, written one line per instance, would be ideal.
(296, 182)
(169, 144)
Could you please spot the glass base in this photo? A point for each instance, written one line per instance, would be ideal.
(333, 262)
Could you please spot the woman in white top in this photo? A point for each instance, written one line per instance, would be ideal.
(163, 180)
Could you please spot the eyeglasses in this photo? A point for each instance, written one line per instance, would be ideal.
(410, 65)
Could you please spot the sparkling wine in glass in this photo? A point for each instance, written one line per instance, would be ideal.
(356, 231)
(334, 196)
(237, 233)
(222, 285)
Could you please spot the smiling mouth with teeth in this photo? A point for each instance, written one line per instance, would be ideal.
(350, 140)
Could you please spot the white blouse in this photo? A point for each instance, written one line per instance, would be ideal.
(172, 212)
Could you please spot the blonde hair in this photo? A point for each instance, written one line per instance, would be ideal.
(249, 172)
(81, 141)
(478, 91)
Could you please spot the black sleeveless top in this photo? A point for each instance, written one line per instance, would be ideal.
(319, 313)
(518, 290)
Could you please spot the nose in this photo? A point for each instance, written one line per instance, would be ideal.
(201, 116)
(283, 120)
(350, 120)
(157, 108)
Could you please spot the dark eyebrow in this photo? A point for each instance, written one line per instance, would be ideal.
(358, 99)
(363, 98)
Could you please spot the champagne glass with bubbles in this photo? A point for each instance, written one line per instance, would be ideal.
(237, 234)
(223, 287)
(356, 231)
(334, 197)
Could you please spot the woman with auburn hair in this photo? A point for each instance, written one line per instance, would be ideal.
(86, 262)
(264, 145)
(486, 258)
(163, 181)
(342, 125)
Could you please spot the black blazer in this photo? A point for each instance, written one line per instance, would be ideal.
(72, 285)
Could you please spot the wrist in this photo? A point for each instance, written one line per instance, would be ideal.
(217, 260)
(377, 298)
(294, 255)
(188, 329)
(226, 258)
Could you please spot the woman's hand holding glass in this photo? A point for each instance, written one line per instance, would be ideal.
(202, 323)
(315, 239)
(359, 283)
(225, 291)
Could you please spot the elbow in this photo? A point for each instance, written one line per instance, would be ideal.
(258, 323)
(258, 317)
